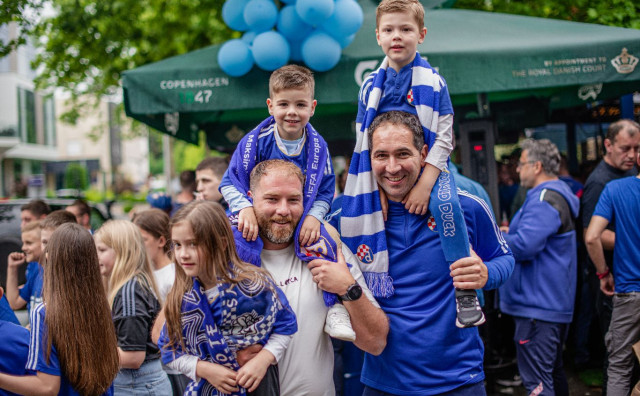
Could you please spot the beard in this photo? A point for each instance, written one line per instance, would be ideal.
(276, 236)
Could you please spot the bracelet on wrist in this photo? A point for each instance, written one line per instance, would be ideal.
(602, 275)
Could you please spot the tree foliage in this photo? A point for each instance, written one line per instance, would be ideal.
(86, 44)
(24, 14)
(621, 13)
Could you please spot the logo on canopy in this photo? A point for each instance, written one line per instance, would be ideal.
(172, 122)
(624, 63)
(589, 91)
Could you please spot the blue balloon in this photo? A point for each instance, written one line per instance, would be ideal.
(260, 15)
(270, 50)
(249, 36)
(296, 50)
(291, 25)
(346, 19)
(314, 12)
(234, 58)
(346, 40)
(232, 14)
(321, 52)
(288, 1)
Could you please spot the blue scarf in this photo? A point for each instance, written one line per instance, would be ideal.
(317, 156)
(241, 326)
(362, 224)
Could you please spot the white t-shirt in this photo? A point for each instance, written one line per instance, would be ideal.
(306, 369)
(165, 277)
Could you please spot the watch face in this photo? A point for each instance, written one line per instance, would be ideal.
(354, 292)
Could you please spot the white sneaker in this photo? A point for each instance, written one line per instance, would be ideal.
(338, 323)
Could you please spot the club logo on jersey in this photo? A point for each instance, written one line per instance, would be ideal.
(431, 223)
(410, 97)
(364, 254)
(319, 249)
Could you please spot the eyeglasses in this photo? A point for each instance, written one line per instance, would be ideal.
(521, 164)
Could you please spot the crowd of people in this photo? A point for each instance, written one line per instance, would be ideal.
(239, 284)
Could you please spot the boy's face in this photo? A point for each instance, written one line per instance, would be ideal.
(292, 109)
(31, 245)
(45, 236)
(399, 35)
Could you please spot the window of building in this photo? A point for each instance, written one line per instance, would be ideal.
(26, 116)
(49, 115)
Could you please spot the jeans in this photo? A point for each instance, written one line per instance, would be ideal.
(476, 389)
(149, 379)
(624, 331)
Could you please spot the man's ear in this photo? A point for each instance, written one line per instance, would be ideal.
(423, 155)
(607, 145)
(250, 194)
(1, 291)
(269, 102)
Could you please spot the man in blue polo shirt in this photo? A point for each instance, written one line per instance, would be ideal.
(426, 354)
(619, 202)
(14, 349)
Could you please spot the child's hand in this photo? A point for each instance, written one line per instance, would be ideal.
(251, 374)
(417, 201)
(222, 378)
(16, 259)
(384, 202)
(310, 231)
(248, 224)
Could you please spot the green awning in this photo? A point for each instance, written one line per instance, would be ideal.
(508, 57)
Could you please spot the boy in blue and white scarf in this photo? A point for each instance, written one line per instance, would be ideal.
(405, 82)
(288, 135)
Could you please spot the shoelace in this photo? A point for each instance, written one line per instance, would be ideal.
(467, 301)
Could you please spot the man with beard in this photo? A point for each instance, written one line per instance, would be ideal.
(306, 367)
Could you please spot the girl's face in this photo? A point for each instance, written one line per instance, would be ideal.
(106, 258)
(154, 246)
(185, 249)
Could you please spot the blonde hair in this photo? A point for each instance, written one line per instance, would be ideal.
(413, 7)
(219, 261)
(291, 77)
(31, 226)
(77, 314)
(131, 260)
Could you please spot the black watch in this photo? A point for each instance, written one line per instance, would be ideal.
(353, 293)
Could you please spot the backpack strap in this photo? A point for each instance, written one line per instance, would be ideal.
(560, 204)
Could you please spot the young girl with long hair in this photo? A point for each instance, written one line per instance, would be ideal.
(132, 295)
(219, 305)
(154, 227)
(73, 349)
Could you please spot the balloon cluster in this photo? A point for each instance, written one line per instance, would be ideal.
(311, 31)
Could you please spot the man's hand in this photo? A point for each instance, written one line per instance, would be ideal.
(248, 224)
(310, 230)
(243, 356)
(16, 259)
(251, 374)
(504, 229)
(469, 272)
(332, 277)
(607, 285)
(222, 378)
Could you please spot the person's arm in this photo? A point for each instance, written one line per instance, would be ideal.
(537, 223)
(443, 145)
(368, 321)
(236, 200)
(131, 359)
(14, 261)
(593, 240)
(608, 239)
(40, 384)
(222, 378)
(156, 330)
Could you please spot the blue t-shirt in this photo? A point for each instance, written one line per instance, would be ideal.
(37, 353)
(395, 90)
(620, 200)
(6, 313)
(31, 292)
(426, 353)
(14, 350)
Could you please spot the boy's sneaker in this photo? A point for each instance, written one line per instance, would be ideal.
(468, 309)
(338, 324)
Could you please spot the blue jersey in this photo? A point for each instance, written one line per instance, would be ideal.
(270, 146)
(426, 353)
(31, 292)
(37, 361)
(6, 313)
(14, 350)
(620, 201)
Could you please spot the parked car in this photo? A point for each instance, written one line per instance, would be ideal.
(10, 228)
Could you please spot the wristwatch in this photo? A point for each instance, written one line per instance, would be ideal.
(353, 293)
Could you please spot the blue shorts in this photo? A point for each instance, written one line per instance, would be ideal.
(476, 389)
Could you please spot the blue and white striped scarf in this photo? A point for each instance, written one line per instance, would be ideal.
(362, 223)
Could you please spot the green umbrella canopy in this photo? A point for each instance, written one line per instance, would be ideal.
(508, 57)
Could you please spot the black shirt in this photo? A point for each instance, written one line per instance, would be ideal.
(134, 309)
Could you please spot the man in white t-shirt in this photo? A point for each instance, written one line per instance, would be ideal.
(306, 368)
